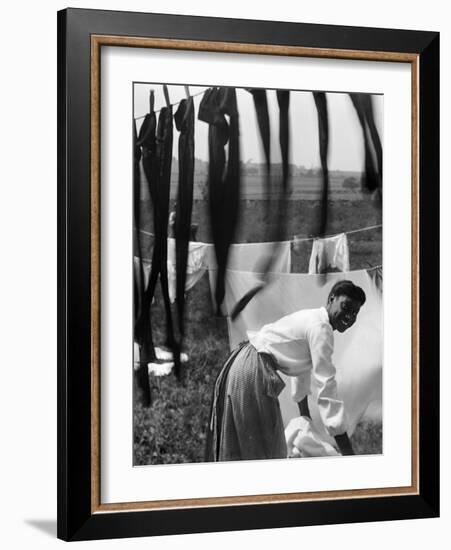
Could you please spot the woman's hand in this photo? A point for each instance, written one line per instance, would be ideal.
(303, 407)
(344, 444)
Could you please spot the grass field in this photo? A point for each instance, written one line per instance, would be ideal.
(173, 429)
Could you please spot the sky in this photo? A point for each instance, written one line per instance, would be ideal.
(345, 134)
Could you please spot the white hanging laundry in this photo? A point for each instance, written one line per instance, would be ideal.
(330, 254)
(376, 275)
(251, 257)
(196, 266)
(135, 356)
(147, 264)
(359, 375)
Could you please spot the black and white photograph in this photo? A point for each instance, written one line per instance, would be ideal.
(235, 215)
(257, 273)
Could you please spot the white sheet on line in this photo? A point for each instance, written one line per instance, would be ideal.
(251, 257)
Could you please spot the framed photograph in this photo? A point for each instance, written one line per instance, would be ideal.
(248, 274)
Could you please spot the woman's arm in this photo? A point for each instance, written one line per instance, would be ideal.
(330, 406)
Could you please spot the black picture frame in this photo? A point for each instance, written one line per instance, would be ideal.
(76, 518)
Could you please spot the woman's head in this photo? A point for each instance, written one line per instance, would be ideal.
(343, 304)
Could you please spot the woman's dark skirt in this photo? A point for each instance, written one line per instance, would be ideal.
(245, 419)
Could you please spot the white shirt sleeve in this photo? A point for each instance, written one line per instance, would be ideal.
(330, 407)
(300, 386)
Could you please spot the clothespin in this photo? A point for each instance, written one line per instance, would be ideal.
(166, 95)
(187, 92)
(151, 101)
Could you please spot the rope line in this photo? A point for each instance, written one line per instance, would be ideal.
(172, 105)
(300, 239)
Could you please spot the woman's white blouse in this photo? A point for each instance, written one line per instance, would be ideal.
(302, 344)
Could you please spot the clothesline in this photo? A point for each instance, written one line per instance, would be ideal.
(361, 269)
(299, 239)
(172, 104)
(370, 268)
(296, 239)
(363, 229)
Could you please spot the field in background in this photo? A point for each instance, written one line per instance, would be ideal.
(173, 429)
(305, 186)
